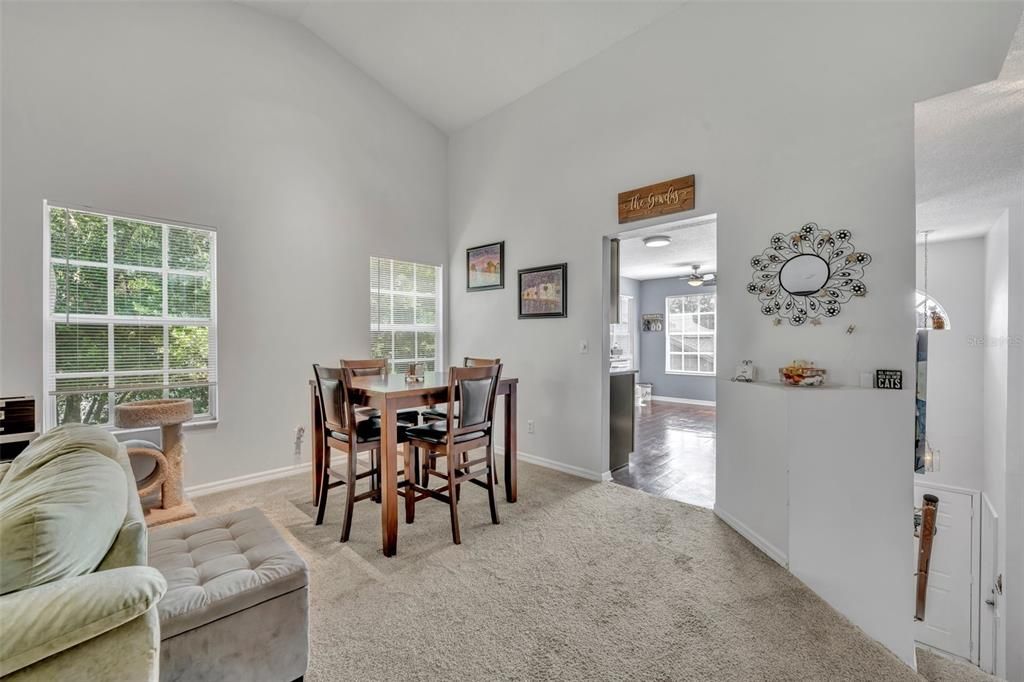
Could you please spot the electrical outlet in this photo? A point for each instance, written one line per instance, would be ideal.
(584, 347)
(300, 432)
(529, 426)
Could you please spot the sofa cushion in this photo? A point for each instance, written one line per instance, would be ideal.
(74, 611)
(56, 443)
(219, 565)
(62, 504)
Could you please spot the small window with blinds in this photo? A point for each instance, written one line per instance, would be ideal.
(405, 313)
(131, 315)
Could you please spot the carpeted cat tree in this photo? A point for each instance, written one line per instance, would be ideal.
(158, 469)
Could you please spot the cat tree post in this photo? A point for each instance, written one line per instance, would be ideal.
(168, 459)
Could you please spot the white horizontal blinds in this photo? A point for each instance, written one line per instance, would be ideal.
(690, 344)
(405, 323)
(132, 308)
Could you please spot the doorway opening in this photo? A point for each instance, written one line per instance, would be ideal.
(665, 340)
(969, 313)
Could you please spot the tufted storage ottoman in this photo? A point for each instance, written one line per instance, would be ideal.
(236, 601)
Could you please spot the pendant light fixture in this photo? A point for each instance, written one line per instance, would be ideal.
(930, 315)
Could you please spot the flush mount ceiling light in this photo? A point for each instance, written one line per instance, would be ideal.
(657, 241)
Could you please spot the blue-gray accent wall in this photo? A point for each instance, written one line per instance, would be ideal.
(652, 344)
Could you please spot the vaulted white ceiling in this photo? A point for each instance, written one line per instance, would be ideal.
(456, 62)
(969, 152)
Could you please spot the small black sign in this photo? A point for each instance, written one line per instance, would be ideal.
(889, 378)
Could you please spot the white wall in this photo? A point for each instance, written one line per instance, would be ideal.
(996, 422)
(845, 495)
(956, 279)
(216, 114)
(785, 115)
(1014, 526)
(1004, 422)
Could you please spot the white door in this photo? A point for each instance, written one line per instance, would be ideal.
(947, 624)
(988, 651)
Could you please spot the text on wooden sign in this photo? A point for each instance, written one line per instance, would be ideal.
(671, 196)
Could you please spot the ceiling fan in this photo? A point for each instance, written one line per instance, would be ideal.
(696, 279)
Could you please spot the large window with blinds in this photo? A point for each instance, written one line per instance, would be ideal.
(405, 313)
(131, 315)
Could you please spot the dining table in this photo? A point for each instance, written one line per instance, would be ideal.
(390, 393)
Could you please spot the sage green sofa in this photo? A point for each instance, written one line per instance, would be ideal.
(77, 599)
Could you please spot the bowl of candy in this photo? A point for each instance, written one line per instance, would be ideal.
(802, 373)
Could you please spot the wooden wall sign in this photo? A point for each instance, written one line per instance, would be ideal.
(671, 196)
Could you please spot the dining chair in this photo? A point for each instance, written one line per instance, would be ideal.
(375, 367)
(456, 436)
(353, 434)
(379, 367)
(439, 412)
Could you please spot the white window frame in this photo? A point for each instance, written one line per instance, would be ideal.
(437, 328)
(626, 328)
(669, 334)
(51, 319)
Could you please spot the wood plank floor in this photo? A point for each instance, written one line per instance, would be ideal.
(675, 453)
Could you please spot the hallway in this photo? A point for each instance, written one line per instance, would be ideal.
(675, 453)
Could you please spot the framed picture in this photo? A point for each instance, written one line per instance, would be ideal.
(653, 322)
(542, 291)
(485, 267)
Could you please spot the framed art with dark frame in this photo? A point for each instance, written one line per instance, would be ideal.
(543, 291)
(485, 267)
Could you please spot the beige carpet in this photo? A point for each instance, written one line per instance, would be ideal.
(581, 581)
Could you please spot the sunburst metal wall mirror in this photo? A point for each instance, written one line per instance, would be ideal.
(808, 273)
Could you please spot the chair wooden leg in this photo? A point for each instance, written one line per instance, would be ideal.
(410, 501)
(321, 507)
(453, 506)
(375, 478)
(416, 465)
(425, 474)
(490, 485)
(350, 497)
(455, 471)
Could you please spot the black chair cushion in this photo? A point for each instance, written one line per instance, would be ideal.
(369, 430)
(411, 417)
(366, 430)
(437, 432)
(439, 411)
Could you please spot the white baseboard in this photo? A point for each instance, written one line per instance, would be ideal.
(260, 477)
(557, 466)
(248, 479)
(685, 401)
(768, 548)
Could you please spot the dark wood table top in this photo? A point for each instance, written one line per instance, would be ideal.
(395, 385)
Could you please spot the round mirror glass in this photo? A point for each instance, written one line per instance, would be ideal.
(804, 275)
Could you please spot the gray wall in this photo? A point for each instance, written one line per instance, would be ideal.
(214, 113)
(652, 344)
